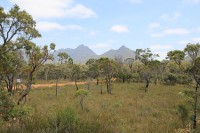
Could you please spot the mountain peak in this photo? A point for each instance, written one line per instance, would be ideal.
(123, 47)
(81, 46)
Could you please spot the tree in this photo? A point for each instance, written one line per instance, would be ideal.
(107, 68)
(74, 72)
(82, 94)
(191, 51)
(154, 66)
(15, 28)
(10, 67)
(145, 56)
(130, 61)
(93, 69)
(37, 56)
(64, 57)
(122, 72)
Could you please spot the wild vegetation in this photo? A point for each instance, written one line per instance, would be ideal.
(139, 94)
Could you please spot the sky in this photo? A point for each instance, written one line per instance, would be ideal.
(161, 25)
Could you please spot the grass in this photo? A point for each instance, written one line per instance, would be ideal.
(127, 110)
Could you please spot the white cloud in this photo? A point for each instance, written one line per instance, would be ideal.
(154, 25)
(119, 28)
(191, 40)
(160, 47)
(48, 26)
(54, 9)
(175, 31)
(136, 1)
(171, 18)
(80, 11)
(190, 1)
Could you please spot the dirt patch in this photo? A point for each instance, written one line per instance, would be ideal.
(34, 86)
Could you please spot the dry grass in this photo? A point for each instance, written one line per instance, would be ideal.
(128, 109)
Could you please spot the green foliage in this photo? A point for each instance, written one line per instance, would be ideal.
(176, 55)
(136, 77)
(145, 55)
(184, 113)
(170, 79)
(16, 27)
(9, 110)
(81, 92)
(6, 106)
(64, 58)
(184, 79)
(64, 121)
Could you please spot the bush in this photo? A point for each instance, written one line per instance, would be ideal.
(170, 79)
(184, 113)
(6, 106)
(64, 121)
(184, 79)
(137, 78)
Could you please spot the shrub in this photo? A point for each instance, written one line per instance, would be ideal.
(64, 121)
(184, 113)
(170, 79)
(6, 106)
(183, 79)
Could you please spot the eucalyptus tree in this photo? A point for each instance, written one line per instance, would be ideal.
(37, 56)
(191, 51)
(123, 72)
(107, 69)
(10, 68)
(145, 56)
(154, 66)
(64, 57)
(130, 62)
(16, 27)
(93, 69)
(74, 73)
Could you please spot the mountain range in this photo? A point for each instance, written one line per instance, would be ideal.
(82, 53)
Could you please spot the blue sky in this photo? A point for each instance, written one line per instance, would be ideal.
(161, 25)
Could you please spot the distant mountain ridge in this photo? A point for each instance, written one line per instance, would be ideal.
(82, 53)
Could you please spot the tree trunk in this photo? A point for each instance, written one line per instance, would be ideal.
(46, 74)
(123, 79)
(109, 82)
(147, 84)
(81, 102)
(10, 84)
(56, 87)
(107, 85)
(101, 88)
(97, 81)
(195, 106)
(76, 84)
(28, 85)
(28, 88)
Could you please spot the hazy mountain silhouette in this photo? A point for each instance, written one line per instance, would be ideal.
(82, 53)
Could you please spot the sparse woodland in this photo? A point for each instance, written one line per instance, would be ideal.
(139, 94)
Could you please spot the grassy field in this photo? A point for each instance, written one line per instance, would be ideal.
(127, 110)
